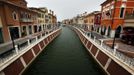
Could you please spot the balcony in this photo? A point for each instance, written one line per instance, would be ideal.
(129, 18)
(26, 20)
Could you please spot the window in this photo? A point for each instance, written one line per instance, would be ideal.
(124, 0)
(14, 14)
(133, 12)
(1, 36)
(39, 28)
(14, 32)
(42, 16)
(43, 27)
(35, 29)
(39, 15)
(24, 31)
(30, 29)
(122, 12)
(98, 18)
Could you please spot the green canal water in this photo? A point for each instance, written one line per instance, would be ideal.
(64, 56)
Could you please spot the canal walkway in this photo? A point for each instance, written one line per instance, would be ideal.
(64, 56)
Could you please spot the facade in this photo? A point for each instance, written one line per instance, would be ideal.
(89, 20)
(66, 21)
(52, 17)
(74, 20)
(40, 19)
(97, 21)
(23, 35)
(116, 14)
(16, 20)
(80, 19)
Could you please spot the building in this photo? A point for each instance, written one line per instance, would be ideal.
(52, 17)
(97, 21)
(116, 14)
(16, 20)
(66, 21)
(89, 20)
(80, 19)
(40, 18)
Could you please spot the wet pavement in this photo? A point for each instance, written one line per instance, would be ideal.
(98, 36)
(122, 47)
(64, 56)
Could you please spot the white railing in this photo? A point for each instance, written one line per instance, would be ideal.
(123, 58)
(18, 51)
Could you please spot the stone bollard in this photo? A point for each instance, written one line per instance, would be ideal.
(115, 48)
(94, 38)
(101, 42)
(16, 49)
(28, 41)
(41, 35)
(90, 35)
(36, 38)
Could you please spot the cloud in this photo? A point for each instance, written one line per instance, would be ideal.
(67, 8)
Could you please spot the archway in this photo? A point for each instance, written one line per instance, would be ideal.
(117, 32)
(104, 30)
(92, 29)
(98, 29)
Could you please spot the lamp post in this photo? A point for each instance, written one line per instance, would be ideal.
(113, 23)
(114, 41)
(92, 29)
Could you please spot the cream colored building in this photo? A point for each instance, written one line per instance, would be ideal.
(42, 12)
(89, 20)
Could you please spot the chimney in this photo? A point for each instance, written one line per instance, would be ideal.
(52, 12)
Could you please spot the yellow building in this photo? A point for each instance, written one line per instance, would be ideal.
(89, 20)
(40, 18)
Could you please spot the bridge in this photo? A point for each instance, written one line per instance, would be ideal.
(68, 50)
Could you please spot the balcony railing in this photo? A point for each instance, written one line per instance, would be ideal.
(26, 20)
(113, 52)
(129, 16)
(22, 45)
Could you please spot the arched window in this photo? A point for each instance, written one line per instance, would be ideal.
(14, 15)
(124, 0)
(117, 32)
(122, 10)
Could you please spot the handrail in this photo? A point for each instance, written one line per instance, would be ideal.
(5, 60)
(116, 54)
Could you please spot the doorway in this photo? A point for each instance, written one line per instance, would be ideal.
(109, 30)
(1, 36)
(14, 32)
(117, 32)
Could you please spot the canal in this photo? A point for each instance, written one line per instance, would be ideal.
(64, 56)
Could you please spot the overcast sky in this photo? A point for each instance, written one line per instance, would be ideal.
(67, 8)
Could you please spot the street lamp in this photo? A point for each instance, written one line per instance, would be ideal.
(113, 23)
(114, 40)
